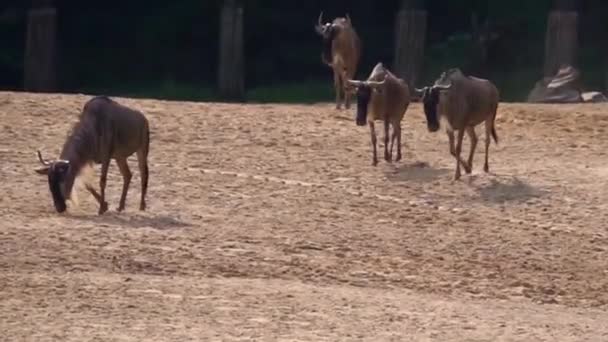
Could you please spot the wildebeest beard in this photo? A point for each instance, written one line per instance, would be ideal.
(364, 94)
(430, 98)
(328, 40)
(58, 175)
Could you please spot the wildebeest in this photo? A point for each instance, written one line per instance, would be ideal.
(383, 96)
(105, 130)
(465, 102)
(341, 52)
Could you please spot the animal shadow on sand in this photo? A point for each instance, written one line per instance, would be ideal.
(500, 189)
(160, 222)
(414, 171)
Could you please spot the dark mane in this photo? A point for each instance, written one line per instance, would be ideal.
(81, 144)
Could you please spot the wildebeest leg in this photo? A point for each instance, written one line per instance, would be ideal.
(338, 88)
(473, 138)
(347, 94)
(93, 192)
(142, 160)
(372, 132)
(458, 151)
(453, 148)
(489, 126)
(123, 166)
(393, 137)
(387, 156)
(102, 185)
(397, 136)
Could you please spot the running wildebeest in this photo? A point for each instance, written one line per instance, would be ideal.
(341, 52)
(106, 130)
(383, 96)
(465, 102)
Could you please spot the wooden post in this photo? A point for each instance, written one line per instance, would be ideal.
(410, 37)
(483, 36)
(40, 45)
(231, 55)
(562, 36)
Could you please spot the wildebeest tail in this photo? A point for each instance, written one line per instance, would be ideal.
(147, 139)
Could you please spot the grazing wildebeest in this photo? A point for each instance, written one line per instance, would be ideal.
(383, 96)
(465, 102)
(105, 130)
(341, 52)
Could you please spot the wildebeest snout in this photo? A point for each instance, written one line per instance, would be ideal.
(433, 127)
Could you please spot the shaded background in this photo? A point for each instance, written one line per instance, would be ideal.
(169, 49)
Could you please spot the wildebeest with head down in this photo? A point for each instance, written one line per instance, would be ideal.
(383, 96)
(465, 102)
(106, 130)
(341, 52)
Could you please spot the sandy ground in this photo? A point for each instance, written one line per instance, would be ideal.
(268, 223)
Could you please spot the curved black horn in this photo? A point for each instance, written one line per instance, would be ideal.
(42, 161)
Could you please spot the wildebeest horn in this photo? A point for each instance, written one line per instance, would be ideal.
(355, 83)
(42, 161)
(442, 87)
(375, 84)
(319, 26)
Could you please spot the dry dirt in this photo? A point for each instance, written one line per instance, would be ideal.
(268, 223)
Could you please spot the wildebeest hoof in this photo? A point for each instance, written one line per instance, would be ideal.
(120, 208)
(142, 207)
(486, 168)
(388, 158)
(103, 208)
(398, 158)
(457, 175)
(375, 162)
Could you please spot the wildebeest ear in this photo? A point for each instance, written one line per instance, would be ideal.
(43, 170)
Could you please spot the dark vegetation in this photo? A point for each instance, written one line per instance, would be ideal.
(169, 49)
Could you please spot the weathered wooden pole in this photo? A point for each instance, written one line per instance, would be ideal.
(410, 38)
(40, 47)
(231, 80)
(482, 36)
(561, 41)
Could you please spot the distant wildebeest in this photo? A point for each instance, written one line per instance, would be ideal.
(341, 52)
(383, 96)
(465, 102)
(105, 130)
